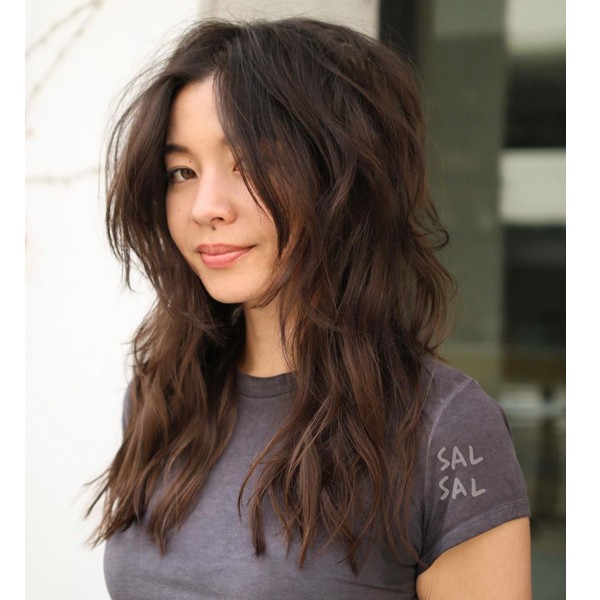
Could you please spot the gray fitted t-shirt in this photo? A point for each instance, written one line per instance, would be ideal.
(467, 481)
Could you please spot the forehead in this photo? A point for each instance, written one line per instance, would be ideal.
(194, 114)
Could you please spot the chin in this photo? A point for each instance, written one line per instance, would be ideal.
(230, 296)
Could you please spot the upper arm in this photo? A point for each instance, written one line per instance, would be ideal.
(495, 565)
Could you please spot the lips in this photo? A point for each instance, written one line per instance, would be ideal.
(221, 255)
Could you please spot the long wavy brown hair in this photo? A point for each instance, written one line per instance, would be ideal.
(327, 128)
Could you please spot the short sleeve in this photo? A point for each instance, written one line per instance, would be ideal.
(473, 481)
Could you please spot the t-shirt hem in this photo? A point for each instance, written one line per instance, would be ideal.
(475, 526)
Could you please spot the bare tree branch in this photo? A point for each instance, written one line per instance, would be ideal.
(66, 179)
(55, 26)
(37, 87)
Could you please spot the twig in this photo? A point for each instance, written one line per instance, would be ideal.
(44, 38)
(67, 179)
(39, 85)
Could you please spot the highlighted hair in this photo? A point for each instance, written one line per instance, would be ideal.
(327, 128)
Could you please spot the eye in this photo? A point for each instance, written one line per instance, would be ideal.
(180, 175)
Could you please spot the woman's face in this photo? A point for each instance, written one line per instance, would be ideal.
(227, 239)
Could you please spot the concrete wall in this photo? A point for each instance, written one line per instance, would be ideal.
(464, 71)
(360, 14)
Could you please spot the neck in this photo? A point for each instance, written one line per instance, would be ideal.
(263, 353)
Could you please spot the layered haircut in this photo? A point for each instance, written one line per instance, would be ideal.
(326, 126)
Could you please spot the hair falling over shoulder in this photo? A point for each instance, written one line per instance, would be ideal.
(327, 126)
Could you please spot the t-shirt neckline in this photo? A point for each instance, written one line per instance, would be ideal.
(264, 387)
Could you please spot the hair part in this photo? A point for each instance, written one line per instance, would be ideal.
(326, 125)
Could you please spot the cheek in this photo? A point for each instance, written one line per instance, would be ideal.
(175, 222)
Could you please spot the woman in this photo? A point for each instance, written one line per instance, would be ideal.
(287, 430)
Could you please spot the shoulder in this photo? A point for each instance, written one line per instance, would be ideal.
(459, 418)
(456, 402)
(446, 386)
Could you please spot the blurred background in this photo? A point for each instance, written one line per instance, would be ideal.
(493, 73)
(494, 77)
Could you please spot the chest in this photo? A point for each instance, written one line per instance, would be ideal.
(212, 556)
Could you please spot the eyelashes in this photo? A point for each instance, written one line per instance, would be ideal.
(180, 174)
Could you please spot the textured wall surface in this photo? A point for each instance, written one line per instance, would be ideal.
(79, 56)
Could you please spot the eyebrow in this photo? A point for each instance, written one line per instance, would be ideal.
(179, 149)
(175, 149)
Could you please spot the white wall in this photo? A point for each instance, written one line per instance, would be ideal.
(78, 319)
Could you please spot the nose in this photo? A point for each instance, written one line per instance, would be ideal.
(212, 202)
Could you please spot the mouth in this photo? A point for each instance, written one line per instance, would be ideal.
(221, 255)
